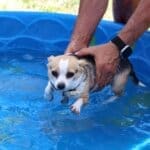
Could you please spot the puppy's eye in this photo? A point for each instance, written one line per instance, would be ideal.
(55, 73)
(70, 74)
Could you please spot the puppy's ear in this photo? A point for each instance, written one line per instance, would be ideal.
(82, 65)
(82, 62)
(50, 58)
(85, 65)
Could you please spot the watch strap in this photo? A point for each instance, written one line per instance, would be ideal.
(124, 49)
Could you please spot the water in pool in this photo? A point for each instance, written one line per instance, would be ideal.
(28, 122)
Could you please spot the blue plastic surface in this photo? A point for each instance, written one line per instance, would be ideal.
(50, 33)
(27, 121)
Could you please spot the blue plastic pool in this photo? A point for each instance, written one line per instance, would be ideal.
(28, 122)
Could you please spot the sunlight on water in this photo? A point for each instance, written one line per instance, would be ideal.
(142, 145)
(27, 121)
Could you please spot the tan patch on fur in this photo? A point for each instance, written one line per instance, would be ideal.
(72, 66)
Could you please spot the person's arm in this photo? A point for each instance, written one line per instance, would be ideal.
(107, 55)
(137, 24)
(90, 13)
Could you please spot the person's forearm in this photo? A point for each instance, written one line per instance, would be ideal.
(90, 13)
(137, 24)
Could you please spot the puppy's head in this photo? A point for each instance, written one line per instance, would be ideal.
(65, 72)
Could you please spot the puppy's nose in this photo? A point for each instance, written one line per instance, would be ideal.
(61, 86)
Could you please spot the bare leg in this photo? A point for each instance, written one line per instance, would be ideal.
(123, 9)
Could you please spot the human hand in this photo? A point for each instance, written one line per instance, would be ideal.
(106, 58)
(74, 46)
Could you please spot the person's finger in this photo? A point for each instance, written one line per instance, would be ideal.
(99, 72)
(104, 77)
(107, 79)
(84, 51)
(68, 53)
(100, 78)
(72, 49)
(102, 81)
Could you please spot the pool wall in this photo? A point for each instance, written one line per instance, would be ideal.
(49, 34)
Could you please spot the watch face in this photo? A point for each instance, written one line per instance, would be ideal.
(127, 52)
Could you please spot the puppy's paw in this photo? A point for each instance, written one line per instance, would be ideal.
(76, 107)
(48, 96)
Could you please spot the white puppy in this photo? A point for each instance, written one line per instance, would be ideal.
(76, 77)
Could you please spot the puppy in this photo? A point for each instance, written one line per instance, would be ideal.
(75, 77)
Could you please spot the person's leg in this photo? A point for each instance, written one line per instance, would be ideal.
(123, 9)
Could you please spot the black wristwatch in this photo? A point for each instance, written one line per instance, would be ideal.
(124, 49)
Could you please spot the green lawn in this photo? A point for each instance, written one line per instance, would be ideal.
(65, 6)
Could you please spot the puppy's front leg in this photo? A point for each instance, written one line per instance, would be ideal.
(76, 107)
(82, 99)
(48, 92)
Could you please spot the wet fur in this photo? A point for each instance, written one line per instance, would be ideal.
(85, 67)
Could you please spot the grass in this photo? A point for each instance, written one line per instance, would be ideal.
(63, 6)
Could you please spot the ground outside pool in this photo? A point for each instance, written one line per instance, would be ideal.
(29, 122)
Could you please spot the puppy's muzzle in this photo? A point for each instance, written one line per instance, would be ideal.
(61, 86)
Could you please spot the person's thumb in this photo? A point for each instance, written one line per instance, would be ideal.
(84, 51)
(69, 51)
